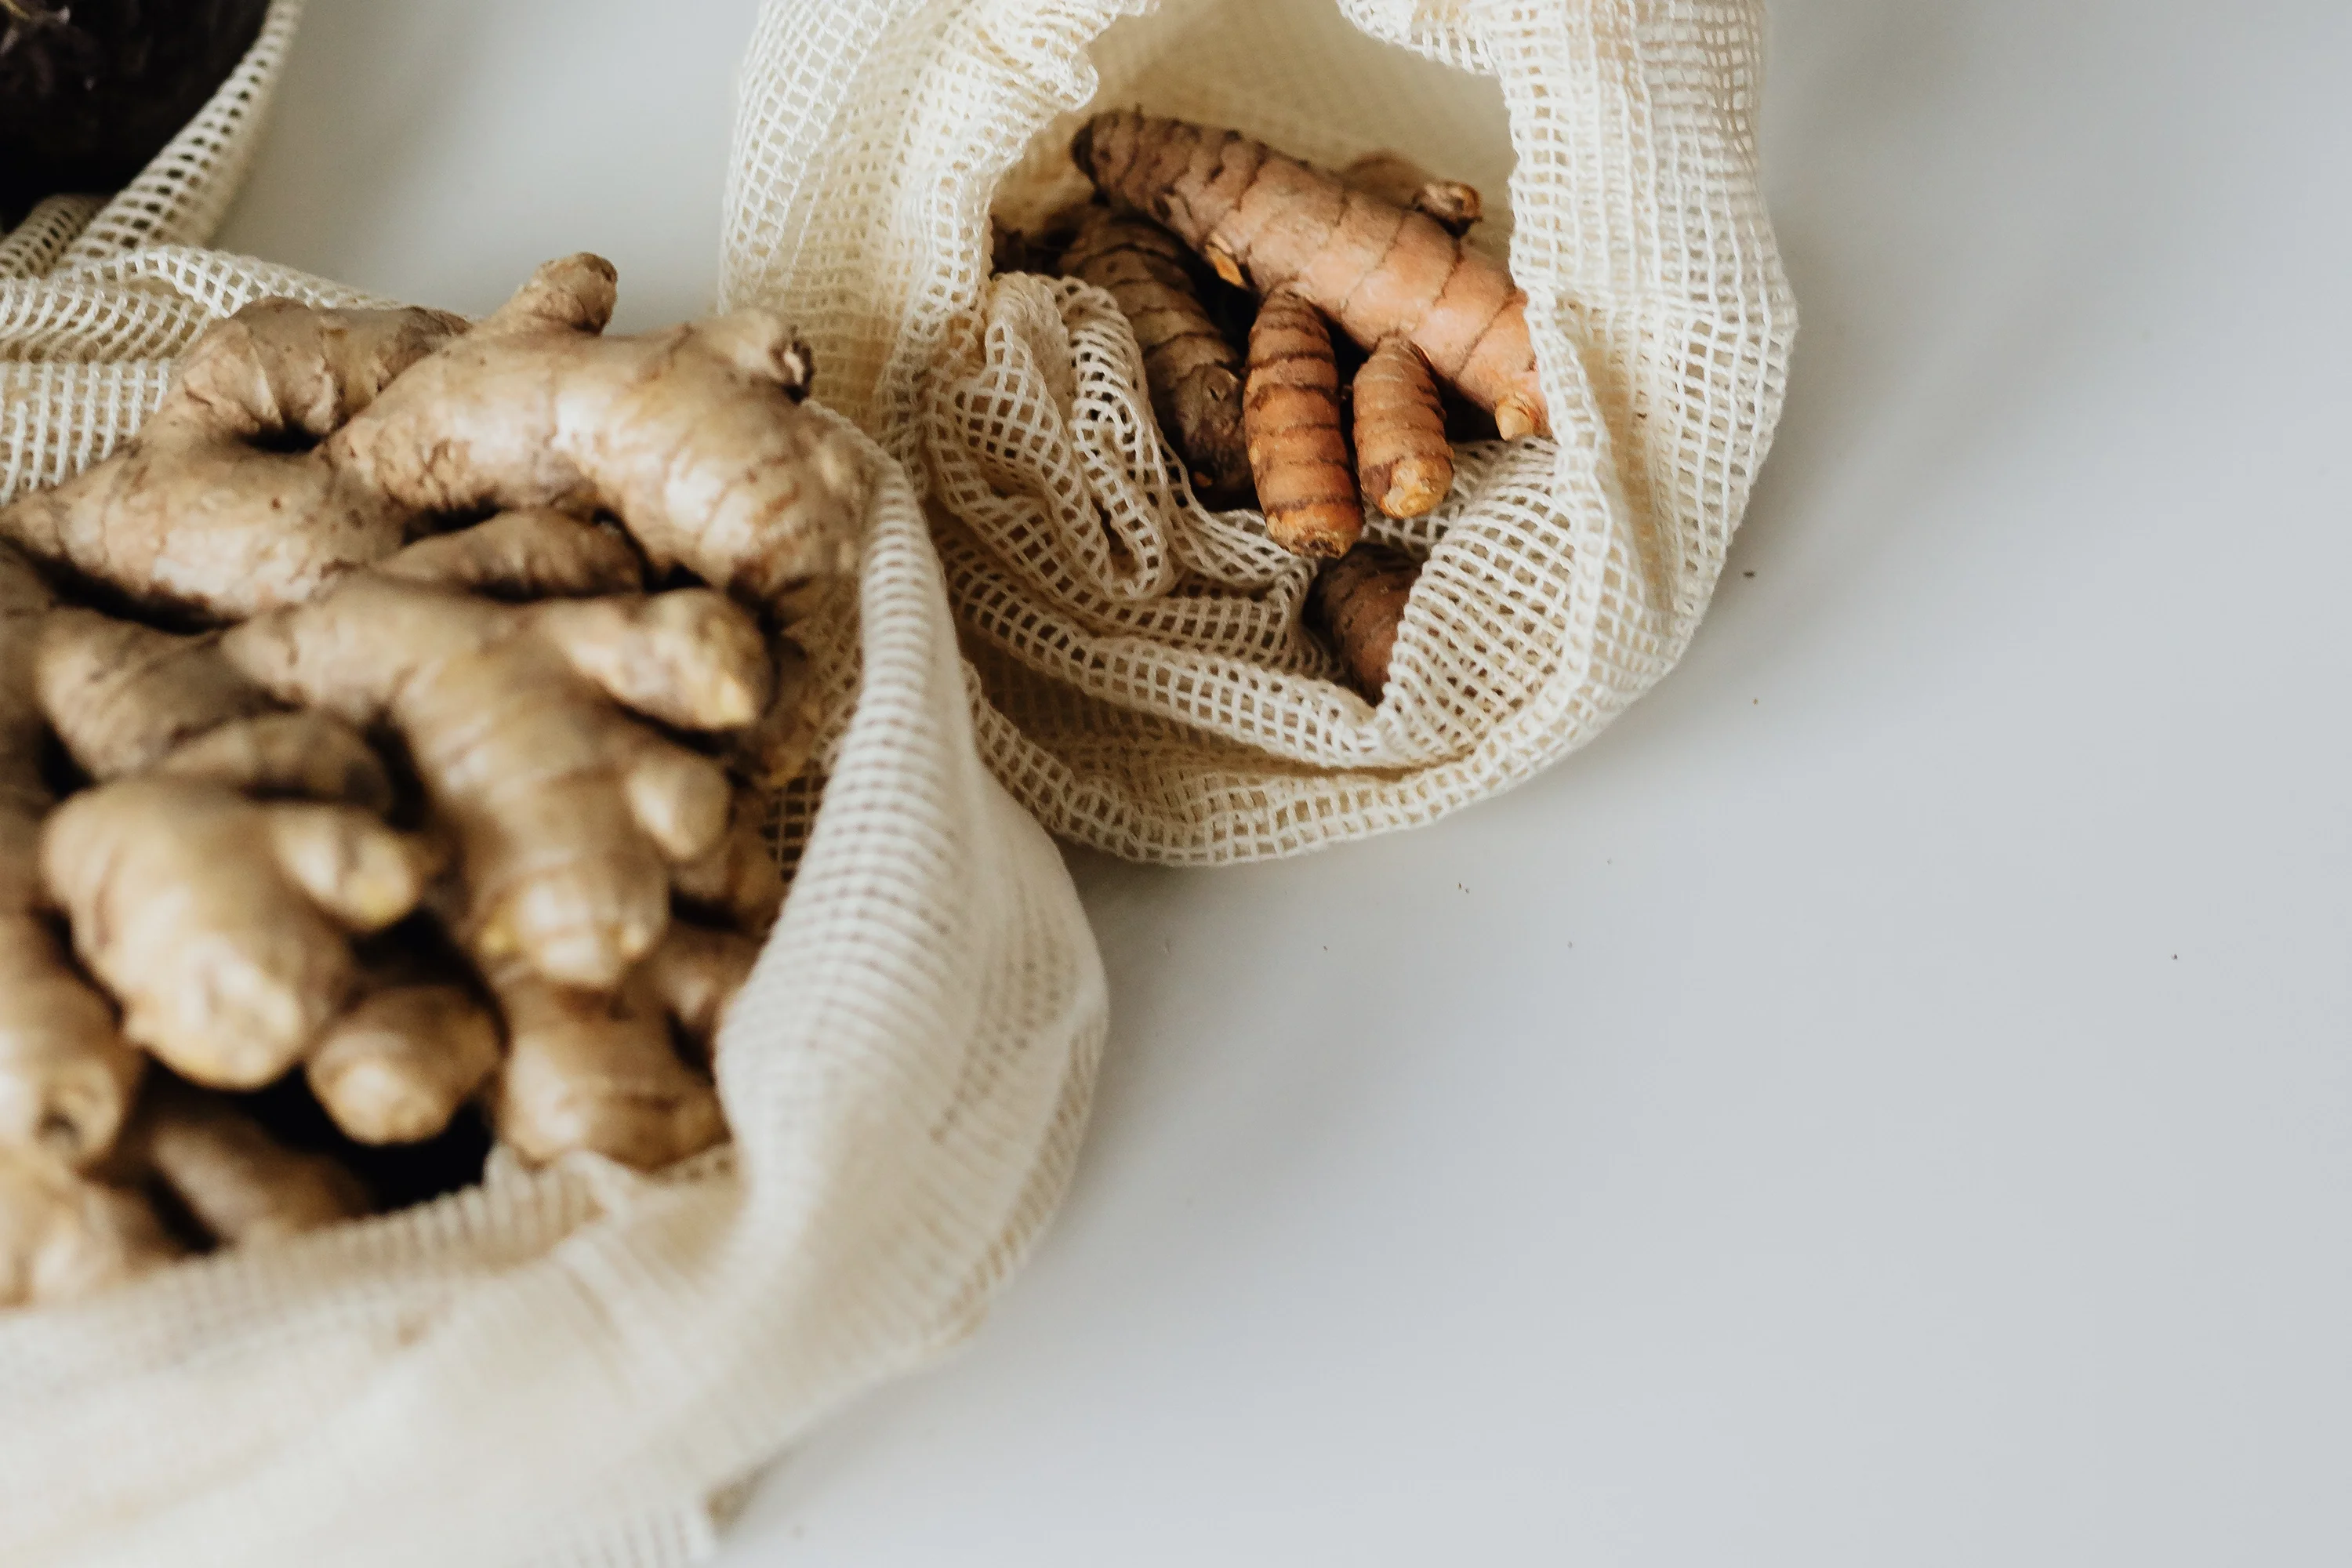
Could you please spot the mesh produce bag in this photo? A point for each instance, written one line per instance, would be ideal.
(1143, 683)
(566, 1365)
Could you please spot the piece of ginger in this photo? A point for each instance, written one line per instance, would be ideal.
(526, 727)
(67, 1076)
(692, 436)
(223, 502)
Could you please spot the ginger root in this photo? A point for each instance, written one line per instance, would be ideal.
(224, 503)
(526, 725)
(239, 1185)
(223, 1178)
(401, 534)
(1379, 270)
(67, 1076)
(1192, 372)
(223, 923)
(1401, 453)
(1297, 449)
(692, 436)
(64, 1236)
(399, 1063)
(1356, 602)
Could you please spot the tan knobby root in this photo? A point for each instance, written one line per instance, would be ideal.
(64, 1236)
(224, 503)
(398, 1064)
(1379, 269)
(1194, 375)
(693, 435)
(67, 1076)
(240, 1185)
(604, 1071)
(218, 874)
(626, 1074)
(1297, 449)
(222, 923)
(526, 726)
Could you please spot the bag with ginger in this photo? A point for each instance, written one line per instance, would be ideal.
(569, 1363)
(1143, 682)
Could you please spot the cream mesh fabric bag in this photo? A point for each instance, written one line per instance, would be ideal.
(1143, 683)
(566, 1366)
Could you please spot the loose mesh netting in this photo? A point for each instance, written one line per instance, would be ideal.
(1142, 682)
(568, 1365)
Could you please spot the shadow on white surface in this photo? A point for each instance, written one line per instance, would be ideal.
(1886, 1101)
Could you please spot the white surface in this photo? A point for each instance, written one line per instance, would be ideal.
(1886, 1102)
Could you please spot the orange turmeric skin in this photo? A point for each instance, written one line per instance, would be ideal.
(1298, 450)
(1401, 447)
(1375, 267)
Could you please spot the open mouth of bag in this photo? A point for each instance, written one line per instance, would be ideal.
(1155, 681)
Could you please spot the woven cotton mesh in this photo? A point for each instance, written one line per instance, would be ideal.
(1143, 683)
(565, 1366)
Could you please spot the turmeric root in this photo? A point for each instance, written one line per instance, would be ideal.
(1401, 453)
(1357, 600)
(1297, 447)
(1194, 373)
(67, 1076)
(1380, 269)
(1395, 178)
(64, 1236)
(692, 435)
(522, 724)
(222, 504)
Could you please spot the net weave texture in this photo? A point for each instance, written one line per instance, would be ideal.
(1144, 687)
(567, 1366)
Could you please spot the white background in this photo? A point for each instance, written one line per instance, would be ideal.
(1888, 1101)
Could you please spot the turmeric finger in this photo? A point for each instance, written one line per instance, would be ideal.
(1380, 268)
(1401, 448)
(1356, 602)
(1192, 372)
(1297, 447)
